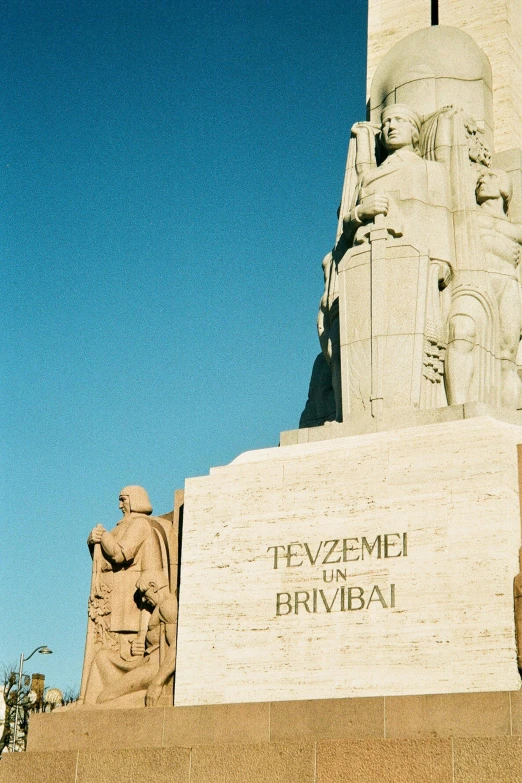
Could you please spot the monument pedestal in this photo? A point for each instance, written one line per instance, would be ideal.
(371, 565)
(394, 660)
(453, 738)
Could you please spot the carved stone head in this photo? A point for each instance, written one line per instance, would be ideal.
(138, 499)
(400, 127)
(494, 184)
(149, 584)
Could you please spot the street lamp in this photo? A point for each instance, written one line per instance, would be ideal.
(44, 650)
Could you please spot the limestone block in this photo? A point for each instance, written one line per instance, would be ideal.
(327, 719)
(73, 729)
(38, 767)
(264, 763)
(484, 760)
(496, 25)
(216, 724)
(449, 715)
(59, 736)
(170, 765)
(412, 594)
(388, 22)
(385, 761)
(516, 713)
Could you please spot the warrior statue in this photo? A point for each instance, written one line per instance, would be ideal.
(393, 257)
(119, 608)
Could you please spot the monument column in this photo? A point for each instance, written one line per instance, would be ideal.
(388, 22)
(495, 25)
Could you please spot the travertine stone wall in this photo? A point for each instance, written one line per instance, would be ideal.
(253, 628)
(388, 22)
(496, 26)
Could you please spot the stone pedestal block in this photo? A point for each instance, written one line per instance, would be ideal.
(452, 738)
(373, 565)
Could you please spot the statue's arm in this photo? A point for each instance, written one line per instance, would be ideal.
(164, 672)
(127, 548)
(445, 272)
(351, 223)
(124, 550)
(111, 548)
(374, 204)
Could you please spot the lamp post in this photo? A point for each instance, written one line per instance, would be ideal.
(44, 650)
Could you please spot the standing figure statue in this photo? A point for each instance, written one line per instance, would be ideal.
(118, 616)
(405, 187)
(486, 319)
(393, 257)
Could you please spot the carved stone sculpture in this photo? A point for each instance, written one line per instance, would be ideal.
(421, 303)
(119, 607)
(320, 405)
(486, 319)
(397, 227)
(154, 658)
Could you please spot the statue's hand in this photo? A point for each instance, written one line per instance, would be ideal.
(96, 534)
(138, 647)
(445, 274)
(152, 695)
(376, 204)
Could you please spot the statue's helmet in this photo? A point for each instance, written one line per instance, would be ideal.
(400, 109)
(138, 499)
(407, 113)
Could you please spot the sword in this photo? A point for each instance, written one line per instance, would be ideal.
(377, 237)
(378, 234)
(89, 641)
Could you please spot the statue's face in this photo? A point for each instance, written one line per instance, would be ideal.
(397, 131)
(150, 595)
(488, 187)
(125, 504)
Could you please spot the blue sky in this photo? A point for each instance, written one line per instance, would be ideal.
(170, 174)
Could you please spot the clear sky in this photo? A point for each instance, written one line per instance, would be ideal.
(170, 175)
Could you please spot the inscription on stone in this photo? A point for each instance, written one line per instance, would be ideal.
(349, 598)
(303, 564)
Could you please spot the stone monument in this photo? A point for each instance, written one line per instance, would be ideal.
(131, 633)
(350, 602)
(416, 313)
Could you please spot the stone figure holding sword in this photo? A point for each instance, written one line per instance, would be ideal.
(118, 615)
